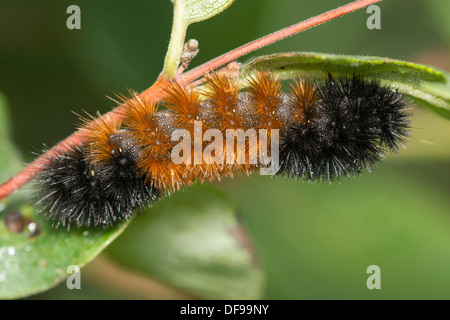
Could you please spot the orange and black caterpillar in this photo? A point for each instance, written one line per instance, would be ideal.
(327, 130)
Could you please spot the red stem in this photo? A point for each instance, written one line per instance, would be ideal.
(156, 90)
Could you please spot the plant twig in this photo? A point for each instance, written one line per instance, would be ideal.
(175, 49)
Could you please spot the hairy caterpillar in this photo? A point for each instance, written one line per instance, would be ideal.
(326, 130)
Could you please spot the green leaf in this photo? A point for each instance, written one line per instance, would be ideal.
(199, 10)
(425, 84)
(34, 261)
(195, 242)
(33, 256)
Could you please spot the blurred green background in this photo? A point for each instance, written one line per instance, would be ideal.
(315, 241)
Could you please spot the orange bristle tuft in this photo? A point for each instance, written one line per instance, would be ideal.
(222, 93)
(265, 89)
(99, 146)
(140, 120)
(304, 95)
(162, 173)
(223, 96)
(155, 163)
(183, 104)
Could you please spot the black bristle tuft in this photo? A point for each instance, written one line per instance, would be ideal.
(346, 121)
(393, 119)
(125, 186)
(76, 192)
(301, 143)
(352, 125)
